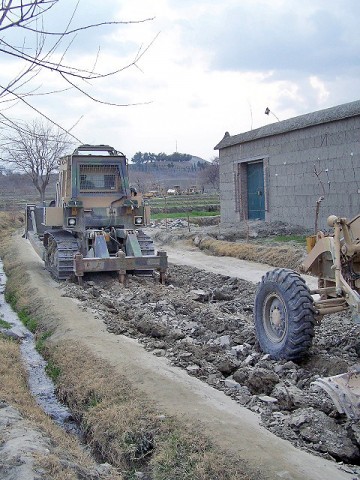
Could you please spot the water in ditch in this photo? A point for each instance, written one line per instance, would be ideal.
(40, 385)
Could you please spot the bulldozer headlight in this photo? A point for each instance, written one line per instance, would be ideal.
(71, 222)
(138, 220)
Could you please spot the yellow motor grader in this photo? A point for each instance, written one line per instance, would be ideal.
(286, 310)
(95, 223)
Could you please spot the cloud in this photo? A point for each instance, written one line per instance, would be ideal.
(320, 88)
(308, 37)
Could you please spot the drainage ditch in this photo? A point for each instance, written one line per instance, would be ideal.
(40, 384)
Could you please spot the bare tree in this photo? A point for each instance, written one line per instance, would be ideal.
(318, 174)
(40, 49)
(210, 174)
(34, 149)
(143, 181)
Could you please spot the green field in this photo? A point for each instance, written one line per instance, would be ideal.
(184, 200)
(161, 216)
(182, 206)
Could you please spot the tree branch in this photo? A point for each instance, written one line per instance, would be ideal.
(48, 52)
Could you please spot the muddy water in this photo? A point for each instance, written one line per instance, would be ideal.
(41, 386)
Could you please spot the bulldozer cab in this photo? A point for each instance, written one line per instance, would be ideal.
(93, 191)
(93, 175)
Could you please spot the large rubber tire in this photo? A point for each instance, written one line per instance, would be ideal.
(284, 315)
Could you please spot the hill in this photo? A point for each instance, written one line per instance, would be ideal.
(165, 173)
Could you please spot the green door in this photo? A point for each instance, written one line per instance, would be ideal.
(255, 184)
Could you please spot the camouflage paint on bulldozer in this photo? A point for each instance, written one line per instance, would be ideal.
(96, 215)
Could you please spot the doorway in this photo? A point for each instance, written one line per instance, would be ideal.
(255, 191)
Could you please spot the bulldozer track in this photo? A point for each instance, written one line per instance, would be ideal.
(147, 248)
(59, 254)
(146, 244)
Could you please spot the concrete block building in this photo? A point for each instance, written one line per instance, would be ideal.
(280, 171)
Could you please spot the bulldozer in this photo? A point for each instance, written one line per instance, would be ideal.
(286, 310)
(95, 223)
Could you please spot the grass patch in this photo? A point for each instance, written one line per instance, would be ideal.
(180, 200)
(11, 299)
(126, 430)
(301, 239)
(40, 344)
(52, 370)
(4, 324)
(29, 322)
(283, 256)
(10, 221)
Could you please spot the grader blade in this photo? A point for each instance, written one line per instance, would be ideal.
(344, 391)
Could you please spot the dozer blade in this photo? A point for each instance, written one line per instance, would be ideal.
(344, 391)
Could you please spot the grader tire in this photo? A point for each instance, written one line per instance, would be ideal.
(284, 315)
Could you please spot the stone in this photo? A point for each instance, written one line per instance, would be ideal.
(265, 357)
(193, 368)
(19, 331)
(200, 295)
(220, 294)
(243, 396)
(355, 428)
(236, 351)
(326, 365)
(224, 341)
(324, 433)
(149, 327)
(289, 396)
(226, 367)
(229, 383)
(267, 399)
(241, 375)
(262, 381)
(197, 240)
(177, 334)
(250, 359)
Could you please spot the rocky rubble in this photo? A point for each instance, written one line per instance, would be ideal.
(203, 323)
(209, 226)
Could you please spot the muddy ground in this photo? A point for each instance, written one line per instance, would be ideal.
(203, 322)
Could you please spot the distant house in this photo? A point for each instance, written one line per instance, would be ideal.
(278, 172)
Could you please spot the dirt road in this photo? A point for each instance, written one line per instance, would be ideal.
(250, 271)
(231, 426)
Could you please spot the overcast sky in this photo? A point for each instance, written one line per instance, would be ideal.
(212, 67)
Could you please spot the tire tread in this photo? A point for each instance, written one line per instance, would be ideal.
(301, 313)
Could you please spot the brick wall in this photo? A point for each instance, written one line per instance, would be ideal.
(292, 187)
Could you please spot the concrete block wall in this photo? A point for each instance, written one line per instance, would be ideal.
(333, 149)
